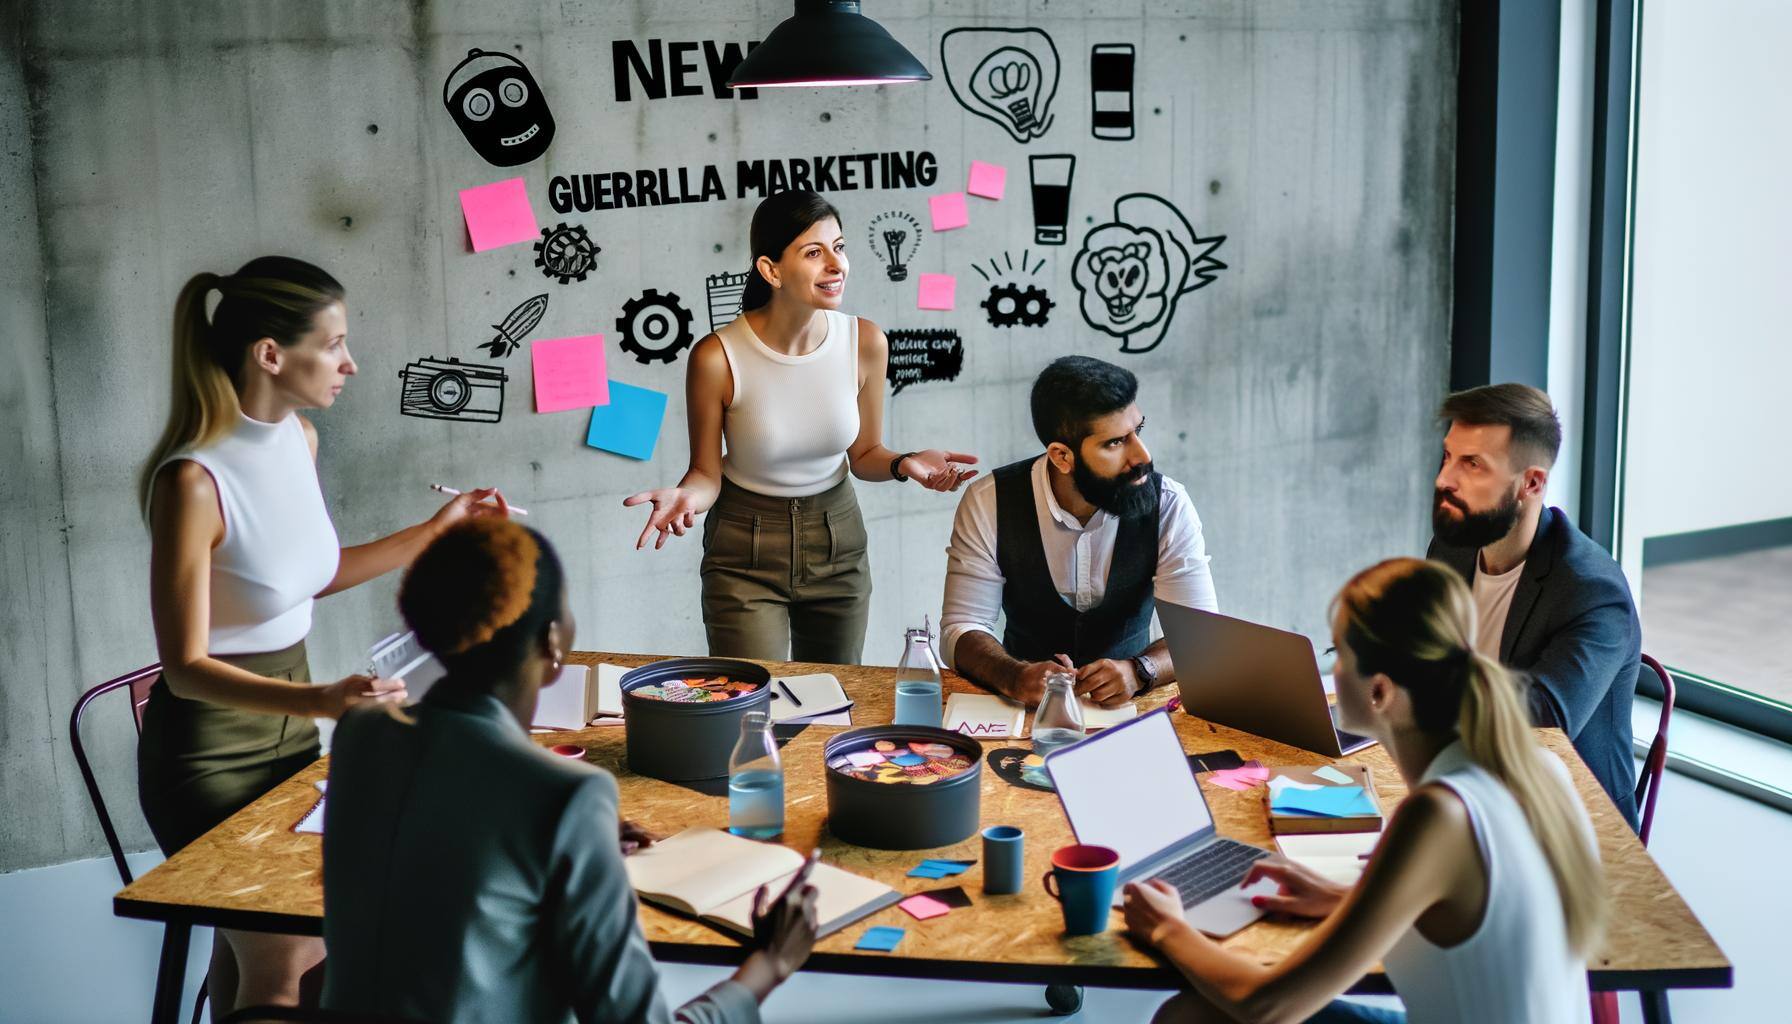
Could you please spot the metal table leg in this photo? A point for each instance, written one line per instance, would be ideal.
(1655, 1007)
(171, 973)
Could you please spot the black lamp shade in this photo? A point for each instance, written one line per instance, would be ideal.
(827, 42)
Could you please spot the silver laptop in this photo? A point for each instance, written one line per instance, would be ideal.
(402, 655)
(1130, 788)
(1257, 678)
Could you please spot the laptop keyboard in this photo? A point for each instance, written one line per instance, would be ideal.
(1212, 870)
(1347, 741)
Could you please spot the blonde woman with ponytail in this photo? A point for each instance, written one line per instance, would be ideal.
(1484, 897)
(240, 544)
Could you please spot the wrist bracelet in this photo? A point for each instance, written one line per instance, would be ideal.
(895, 467)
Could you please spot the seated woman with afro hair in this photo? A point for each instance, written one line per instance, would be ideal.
(469, 874)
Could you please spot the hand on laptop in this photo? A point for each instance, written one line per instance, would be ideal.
(1153, 910)
(1304, 892)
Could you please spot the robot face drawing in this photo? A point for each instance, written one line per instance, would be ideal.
(499, 108)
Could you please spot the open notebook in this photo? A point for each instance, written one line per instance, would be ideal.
(712, 875)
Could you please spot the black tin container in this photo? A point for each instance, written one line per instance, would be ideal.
(688, 742)
(895, 816)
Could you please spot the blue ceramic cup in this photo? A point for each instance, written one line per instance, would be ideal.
(1003, 852)
(1082, 880)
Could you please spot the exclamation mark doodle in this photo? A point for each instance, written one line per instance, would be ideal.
(1110, 88)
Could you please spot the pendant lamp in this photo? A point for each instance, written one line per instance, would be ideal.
(827, 42)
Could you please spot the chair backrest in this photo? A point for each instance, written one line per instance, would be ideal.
(137, 685)
(1648, 782)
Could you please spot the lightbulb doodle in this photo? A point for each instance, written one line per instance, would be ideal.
(566, 252)
(516, 327)
(895, 238)
(1009, 304)
(1007, 75)
(654, 327)
(1133, 270)
(497, 105)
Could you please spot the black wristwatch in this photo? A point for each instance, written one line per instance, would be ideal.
(1147, 672)
(895, 467)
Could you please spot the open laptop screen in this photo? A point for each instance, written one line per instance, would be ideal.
(1131, 789)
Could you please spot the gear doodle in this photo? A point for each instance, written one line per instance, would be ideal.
(1008, 305)
(654, 327)
(566, 252)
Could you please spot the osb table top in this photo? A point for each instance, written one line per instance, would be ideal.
(253, 871)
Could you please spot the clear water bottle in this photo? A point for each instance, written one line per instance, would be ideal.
(756, 781)
(1059, 720)
(918, 680)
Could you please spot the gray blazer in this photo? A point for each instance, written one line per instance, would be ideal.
(471, 876)
(1573, 630)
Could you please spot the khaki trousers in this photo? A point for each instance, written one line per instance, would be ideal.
(786, 577)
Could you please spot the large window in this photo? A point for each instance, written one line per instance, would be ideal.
(1705, 520)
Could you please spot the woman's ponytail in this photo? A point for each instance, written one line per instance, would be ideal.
(1414, 621)
(1496, 732)
(275, 297)
(758, 291)
(203, 402)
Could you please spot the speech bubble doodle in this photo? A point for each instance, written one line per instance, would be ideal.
(923, 355)
(1133, 270)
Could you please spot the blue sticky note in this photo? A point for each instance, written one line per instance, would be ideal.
(908, 759)
(924, 871)
(880, 939)
(630, 424)
(1331, 801)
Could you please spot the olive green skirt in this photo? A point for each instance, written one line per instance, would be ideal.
(198, 762)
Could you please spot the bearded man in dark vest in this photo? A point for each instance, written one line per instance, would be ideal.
(1071, 547)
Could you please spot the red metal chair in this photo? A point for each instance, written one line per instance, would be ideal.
(1648, 788)
(138, 683)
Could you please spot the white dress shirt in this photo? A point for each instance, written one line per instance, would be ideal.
(1078, 554)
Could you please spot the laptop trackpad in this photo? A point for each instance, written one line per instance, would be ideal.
(1231, 910)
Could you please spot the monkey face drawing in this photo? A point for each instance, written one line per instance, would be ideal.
(499, 108)
(1123, 274)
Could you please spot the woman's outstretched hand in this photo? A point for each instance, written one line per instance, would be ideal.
(674, 512)
(939, 470)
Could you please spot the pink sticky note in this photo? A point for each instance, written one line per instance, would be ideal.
(948, 211)
(987, 180)
(569, 373)
(922, 906)
(498, 214)
(938, 291)
(1226, 780)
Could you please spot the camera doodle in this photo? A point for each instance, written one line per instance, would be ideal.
(1133, 270)
(566, 252)
(448, 389)
(1008, 75)
(654, 327)
(499, 108)
(516, 327)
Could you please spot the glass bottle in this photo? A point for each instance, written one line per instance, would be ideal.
(1059, 720)
(756, 781)
(918, 680)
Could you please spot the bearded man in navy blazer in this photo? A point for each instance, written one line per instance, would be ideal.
(1550, 602)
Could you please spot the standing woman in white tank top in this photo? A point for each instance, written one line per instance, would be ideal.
(796, 389)
(1483, 898)
(240, 544)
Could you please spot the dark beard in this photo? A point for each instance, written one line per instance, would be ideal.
(1475, 529)
(1116, 494)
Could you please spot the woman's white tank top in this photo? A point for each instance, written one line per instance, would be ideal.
(1517, 965)
(793, 417)
(279, 547)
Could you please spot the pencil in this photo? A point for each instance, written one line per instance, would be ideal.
(445, 489)
(787, 693)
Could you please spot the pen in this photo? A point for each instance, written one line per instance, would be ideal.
(787, 693)
(445, 489)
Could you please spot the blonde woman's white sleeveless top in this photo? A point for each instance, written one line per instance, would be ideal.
(793, 417)
(279, 547)
(1516, 967)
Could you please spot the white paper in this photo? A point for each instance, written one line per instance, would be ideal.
(1330, 774)
(565, 704)
(609, 688)
(817, 694)
(313, 821)
(1339, 856)
(837, 718)
(1097, 717)
(985, 715)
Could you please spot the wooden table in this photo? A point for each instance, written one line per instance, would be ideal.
(253, 872)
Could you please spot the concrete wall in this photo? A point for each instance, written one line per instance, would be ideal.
(147, 142)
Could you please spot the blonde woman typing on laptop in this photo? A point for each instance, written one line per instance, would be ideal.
(1485, 894)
